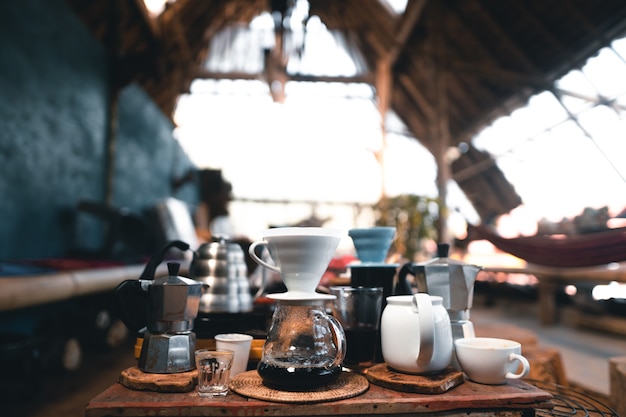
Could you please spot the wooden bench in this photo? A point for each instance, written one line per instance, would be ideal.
(32, 290)
(552, 278)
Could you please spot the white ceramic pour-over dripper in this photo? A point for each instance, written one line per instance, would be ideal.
(300, 254)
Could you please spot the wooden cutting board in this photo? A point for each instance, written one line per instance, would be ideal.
(439, 383)
(135, 378)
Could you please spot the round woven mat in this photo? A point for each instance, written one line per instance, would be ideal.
(347, 385)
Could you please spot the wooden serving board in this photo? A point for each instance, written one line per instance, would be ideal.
(135, 378)
(386, 377)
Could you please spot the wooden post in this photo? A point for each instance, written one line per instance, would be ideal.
(547, 304)
(383, 95)
(617, 375)
(384, 74)
(442, 125)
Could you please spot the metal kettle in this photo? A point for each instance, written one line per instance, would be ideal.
(221, 264)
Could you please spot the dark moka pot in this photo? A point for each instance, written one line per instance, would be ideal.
(166, 307)
(222, 266)
(453, 280)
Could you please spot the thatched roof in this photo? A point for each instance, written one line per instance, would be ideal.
(446, 67)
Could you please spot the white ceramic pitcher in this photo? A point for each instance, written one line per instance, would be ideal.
(416, 336)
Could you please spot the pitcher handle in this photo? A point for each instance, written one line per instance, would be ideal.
(422, 305)
(257, 259)
(340, 337)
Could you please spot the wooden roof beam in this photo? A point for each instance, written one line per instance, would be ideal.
(499, 74)
(408, 21)
(545, 32)
(412, 91)
(474, 91)
(367, 78)
(384, 73)
(571, 61)
(471, 171)
(467, 93)
(512, 47)
(411, 115)
(600, 38)
(485, 58)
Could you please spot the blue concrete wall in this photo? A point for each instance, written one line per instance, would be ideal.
(54, 95)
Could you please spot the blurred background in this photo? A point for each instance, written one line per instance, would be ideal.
(497, 128)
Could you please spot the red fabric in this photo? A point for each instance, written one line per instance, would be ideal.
(589, 249)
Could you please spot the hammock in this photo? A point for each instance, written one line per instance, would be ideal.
(590, 249)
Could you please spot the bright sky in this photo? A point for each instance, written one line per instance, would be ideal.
(319, 145)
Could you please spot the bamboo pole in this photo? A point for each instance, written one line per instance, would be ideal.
(442, 124)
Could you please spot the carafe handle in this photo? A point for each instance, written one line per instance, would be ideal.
(422, 305)
(257, 259)
(340, 337)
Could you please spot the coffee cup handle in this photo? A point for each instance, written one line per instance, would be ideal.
(525, 366)
(422, 305)
(257, 259)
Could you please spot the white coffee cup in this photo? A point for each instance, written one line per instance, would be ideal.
(240, 345)
(491, 361)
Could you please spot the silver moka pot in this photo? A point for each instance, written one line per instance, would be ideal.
(453, 280)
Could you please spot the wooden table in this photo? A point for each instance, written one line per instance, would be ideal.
(516, 398)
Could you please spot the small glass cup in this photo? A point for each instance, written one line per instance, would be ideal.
(358, 309)
(213, 371)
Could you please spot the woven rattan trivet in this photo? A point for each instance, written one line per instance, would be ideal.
(135, 378)
(386, 377)
(347, 385)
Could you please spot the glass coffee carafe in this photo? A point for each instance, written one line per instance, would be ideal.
(305, 346)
